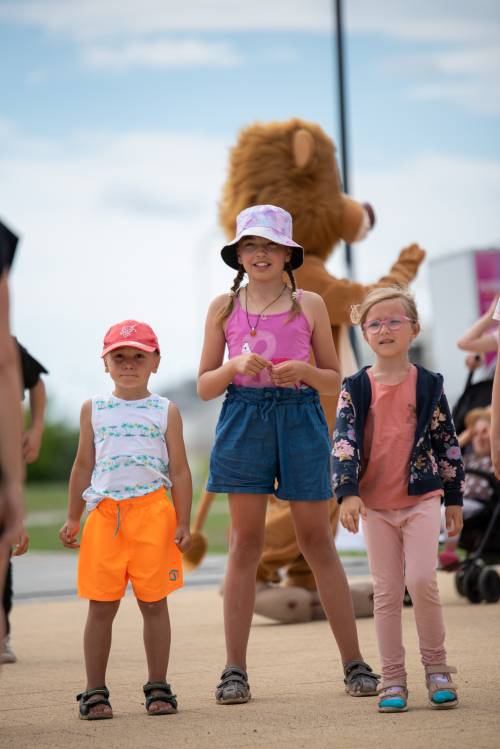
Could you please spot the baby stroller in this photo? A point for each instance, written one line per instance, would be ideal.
(476, 578)
(475, 395)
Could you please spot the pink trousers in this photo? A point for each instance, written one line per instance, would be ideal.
(402, 549)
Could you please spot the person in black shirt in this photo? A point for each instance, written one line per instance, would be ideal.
(11, 465)
(31, 442)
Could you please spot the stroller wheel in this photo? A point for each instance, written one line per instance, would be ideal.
(489, 585)
(459, 582)
(471, 584)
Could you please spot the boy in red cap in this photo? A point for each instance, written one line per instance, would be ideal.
(131, 450)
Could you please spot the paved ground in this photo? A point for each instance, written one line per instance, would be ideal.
(294, 671)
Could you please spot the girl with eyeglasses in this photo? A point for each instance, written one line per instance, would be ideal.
(395, 458)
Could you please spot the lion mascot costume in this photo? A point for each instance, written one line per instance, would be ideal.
(292, 164)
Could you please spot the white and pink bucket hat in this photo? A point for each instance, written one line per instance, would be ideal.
(269, 222)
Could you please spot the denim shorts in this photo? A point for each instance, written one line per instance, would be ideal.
(271, 441)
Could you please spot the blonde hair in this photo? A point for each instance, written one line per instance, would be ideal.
(477, 414)
(359, 312)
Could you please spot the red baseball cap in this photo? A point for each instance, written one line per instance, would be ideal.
(130, 333)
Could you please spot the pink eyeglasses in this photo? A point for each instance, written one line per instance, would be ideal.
(392, 323)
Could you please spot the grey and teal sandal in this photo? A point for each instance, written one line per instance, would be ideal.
(87, 703)
(233, 687)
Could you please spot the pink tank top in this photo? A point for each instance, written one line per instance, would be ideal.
(277, 339)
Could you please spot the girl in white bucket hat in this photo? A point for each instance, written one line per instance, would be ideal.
(272, 436)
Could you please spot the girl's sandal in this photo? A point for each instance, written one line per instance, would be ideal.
(159, 691)
(87, 703)
(233, 687)
(442, 694)
(360, 681)
(393, 698)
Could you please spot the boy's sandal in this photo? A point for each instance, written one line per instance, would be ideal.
(441, 696)
(233, 687)
(393, 698)
(87, 703)
(159, 691)
(360, 681)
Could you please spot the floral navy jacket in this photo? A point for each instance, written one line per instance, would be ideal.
(435, 462)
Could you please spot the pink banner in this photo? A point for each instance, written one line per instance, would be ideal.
(487, 281)
(487, 277)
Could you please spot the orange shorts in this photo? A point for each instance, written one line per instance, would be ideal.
(130, 539)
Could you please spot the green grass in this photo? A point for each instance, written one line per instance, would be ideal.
(42, 497)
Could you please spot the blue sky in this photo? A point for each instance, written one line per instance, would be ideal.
(52, 89)
(115, 122)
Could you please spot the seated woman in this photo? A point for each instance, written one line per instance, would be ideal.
(478, 490)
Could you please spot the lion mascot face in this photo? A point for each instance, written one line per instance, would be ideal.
(292, 164)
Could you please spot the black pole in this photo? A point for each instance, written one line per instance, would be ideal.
(344, 159)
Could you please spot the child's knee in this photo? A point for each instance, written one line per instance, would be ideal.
(388, 600)
(152, 608)
(245, 547)
(422, 586)
(315, 542)
(103, 610)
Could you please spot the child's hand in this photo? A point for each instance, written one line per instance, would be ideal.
(32, 440)
(21, 546)
(68, 534)
(183, 537)
(350, 510)
(454, 520)
(287, 374)
(473, 361)
(250, 364)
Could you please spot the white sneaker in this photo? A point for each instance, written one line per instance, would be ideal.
(8, 655)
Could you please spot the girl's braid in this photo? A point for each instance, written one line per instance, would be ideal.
(295, 304)
(232, 293)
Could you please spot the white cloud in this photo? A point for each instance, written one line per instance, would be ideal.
(468, 76)
(418, 20)
(478, 98)
(94, 19)
(426, 20)
(164, 53)
(482, 60)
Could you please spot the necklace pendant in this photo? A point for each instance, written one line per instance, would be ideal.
(253, 332)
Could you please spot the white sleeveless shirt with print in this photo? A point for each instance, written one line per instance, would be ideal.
(131, 457)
